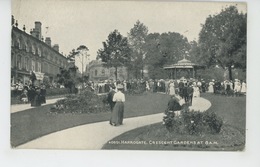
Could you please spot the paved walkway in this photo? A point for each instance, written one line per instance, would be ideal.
(94, 136)
(22, 107)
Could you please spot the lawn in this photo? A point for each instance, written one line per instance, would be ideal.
(36, 122)
(155, 137)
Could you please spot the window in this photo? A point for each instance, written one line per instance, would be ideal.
(39, 65)
(39, 52)
(26, 62)
(18, 62)
(18, 44)
(95, 72)
(33, 49)
(33, 65)
(26, 47)
(103, 71)
(22, 62)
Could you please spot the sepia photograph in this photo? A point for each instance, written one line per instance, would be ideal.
(128, 75)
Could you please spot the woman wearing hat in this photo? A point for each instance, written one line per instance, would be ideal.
(171, 88)
(211, 86)
(118, 110)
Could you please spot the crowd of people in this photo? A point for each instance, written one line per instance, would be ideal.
(178, 86)
(29, 93)
(181, 90)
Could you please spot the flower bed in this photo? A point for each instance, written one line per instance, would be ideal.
(85, 102)
(193, 122)
(57, 91)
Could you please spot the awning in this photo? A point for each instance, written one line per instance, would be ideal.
(39, 75)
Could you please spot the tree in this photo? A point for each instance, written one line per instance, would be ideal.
(194, 52)
(136, 38)
(67, 78)
(222, 40)
(82, 54)
(162, 49)
(116, 52)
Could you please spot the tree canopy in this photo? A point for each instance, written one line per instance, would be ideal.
(136, 38)
(163, 49)
(115, 52)
(222, 40)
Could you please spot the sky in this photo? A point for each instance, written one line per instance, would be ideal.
(74, 23)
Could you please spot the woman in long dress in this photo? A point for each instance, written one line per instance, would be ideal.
(118, 110)
(243, 88)
(211, 87)
(171, 88)
(196, 91)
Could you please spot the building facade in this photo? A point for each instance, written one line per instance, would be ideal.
(30, 53)
(97, 72)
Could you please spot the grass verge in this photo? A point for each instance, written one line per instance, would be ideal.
(156, 137)
(36, 122)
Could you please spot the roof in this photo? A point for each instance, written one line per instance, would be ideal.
(184, 63)
(37, 40)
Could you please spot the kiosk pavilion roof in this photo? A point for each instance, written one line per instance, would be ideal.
(184, 63)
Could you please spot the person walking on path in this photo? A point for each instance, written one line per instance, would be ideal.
(118, 110)
(43, 94)
(36, 100)
(110, 97)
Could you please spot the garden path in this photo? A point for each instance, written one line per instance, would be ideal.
(94, 136)
(22, 107)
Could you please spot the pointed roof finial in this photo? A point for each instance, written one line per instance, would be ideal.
(24, 28)
(16, 24)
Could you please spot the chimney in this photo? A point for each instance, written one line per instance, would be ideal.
(48, 41)
(56, 47)
(38, 30)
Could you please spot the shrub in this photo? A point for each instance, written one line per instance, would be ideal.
(85, 102)
(57, 91)
(193, 122)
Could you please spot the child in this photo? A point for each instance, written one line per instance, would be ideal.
(24, 97)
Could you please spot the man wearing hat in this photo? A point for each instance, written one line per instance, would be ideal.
(110, 97)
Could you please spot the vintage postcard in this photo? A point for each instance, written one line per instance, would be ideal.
(128, 75)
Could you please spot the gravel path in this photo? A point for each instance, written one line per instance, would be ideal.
(94, 136)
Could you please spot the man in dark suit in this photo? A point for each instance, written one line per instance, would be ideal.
(173, 104)
(110, 97)
(181, 87)
(190, 93)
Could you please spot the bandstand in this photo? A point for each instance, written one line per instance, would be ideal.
(183, 68)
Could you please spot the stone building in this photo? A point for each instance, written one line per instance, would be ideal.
(29, 52)
(97, 72)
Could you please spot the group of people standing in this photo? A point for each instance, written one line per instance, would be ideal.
(29, 93)
(228, 87)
